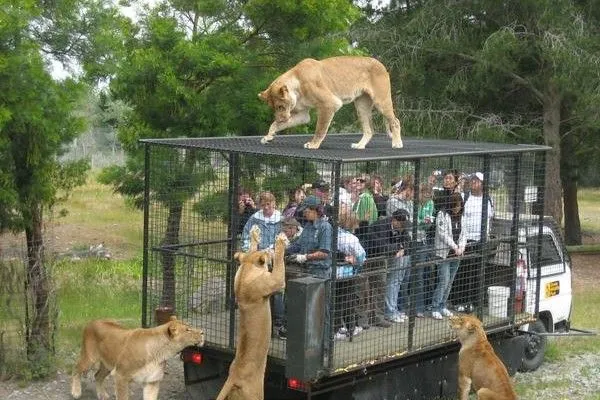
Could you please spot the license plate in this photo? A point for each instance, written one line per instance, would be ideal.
(552, 288)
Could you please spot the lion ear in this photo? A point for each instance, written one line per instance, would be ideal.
(263, 259)
(263, 95)
(239, 256)
(173, 328)
(471, 327)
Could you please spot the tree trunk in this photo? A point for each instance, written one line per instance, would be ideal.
(39, 334)
(551, 130)
(169, 259)
(570, 179)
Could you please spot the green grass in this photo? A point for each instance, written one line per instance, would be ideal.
(94, 214)
(589, 209)
(91, 289)
(586, 316)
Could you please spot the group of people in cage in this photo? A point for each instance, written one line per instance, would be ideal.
(375, 241)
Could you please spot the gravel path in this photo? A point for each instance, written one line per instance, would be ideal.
(172, 387)
(575, 378)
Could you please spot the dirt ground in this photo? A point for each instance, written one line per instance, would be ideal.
(586, 271)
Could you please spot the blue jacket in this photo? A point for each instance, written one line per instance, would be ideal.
(269, 228)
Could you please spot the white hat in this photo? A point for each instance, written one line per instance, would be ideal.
(478, 175)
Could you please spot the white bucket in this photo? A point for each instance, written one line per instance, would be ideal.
(498, 301)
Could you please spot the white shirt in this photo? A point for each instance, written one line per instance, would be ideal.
(444, 240)
(471, 218)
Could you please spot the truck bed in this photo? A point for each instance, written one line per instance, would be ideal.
(373, 345)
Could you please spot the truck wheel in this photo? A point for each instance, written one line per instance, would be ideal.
(535, 348)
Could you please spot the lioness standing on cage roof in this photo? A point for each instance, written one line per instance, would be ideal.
(327, 85)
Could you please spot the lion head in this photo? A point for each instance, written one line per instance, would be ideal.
(260, 259)
(184, 335)
(279, 98)
(466, 326)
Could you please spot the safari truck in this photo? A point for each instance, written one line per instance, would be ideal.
(519, 279)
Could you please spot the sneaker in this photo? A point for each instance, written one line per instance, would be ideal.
(420, 315)
(357, 330)
(460, 308)
(396, 318)
(341, 334)
(436, 315)
(446, 313)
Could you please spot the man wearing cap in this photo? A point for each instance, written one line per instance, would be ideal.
(313, 248)
(321, 189)
(390, 238)
(465, 289)
(291, 228)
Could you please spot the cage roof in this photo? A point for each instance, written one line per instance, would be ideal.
(337, 147)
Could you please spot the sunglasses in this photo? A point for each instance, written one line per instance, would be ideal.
(360, 180)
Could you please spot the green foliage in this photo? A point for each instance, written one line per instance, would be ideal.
(37, 120)
(213, 206)
(194, 69)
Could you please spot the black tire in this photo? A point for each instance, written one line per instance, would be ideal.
(535, 348)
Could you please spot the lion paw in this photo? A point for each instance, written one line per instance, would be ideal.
(282, 240)
(266, 139)
(357, 146)
(311, 145)
(255, 234)
(397, 145)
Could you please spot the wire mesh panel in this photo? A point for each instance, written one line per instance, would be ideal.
(402, 239)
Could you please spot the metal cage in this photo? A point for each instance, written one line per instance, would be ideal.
(193, 227)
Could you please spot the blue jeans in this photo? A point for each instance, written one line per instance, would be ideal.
(421, 290)
(394, 279)
(446, 270)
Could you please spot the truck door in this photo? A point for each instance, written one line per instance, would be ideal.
(548, 256)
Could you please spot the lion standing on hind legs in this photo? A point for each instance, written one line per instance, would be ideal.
(327, 85)
(253, 285)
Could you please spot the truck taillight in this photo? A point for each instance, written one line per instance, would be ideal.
(296, 384)
(192, 356)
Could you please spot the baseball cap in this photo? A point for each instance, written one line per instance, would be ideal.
(311, 201)
(478, 175)
(290, 221)
(320, 184)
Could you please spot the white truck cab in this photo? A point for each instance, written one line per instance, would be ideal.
(539, 250)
